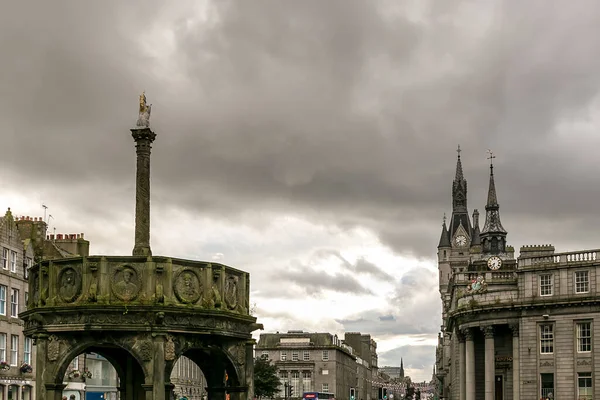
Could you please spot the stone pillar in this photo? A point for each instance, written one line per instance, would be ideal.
(148, 389)
(490, 362)
(469, 365)
(516, 363)
(158, 375)
(143, 143)
(249, 369)
(462, 395)
(53, 391)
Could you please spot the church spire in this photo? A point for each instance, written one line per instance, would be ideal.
(459, 171)
(401, 368)
(493, 235)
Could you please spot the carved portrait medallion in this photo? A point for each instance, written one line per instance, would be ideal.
(126, 283)
(187, 286)
(231, 295)
(70, 285)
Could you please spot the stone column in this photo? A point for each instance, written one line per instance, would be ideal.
(516, 363)
(490, 362)
(143, 143)
(462, 395)
(53, 390)
(469, 365)
(249, 369)
(158, 375)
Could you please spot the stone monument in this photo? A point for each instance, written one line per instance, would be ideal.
(142, 312)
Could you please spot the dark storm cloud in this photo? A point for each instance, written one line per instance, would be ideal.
(346, 111)
(313, 282)
(361, 266)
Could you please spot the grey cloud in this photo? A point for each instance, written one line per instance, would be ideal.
(314, 282)
(361, 266)
(414, 357)
(345, 112)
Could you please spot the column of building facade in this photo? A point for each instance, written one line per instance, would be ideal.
(490, 362)
(469, 365)
(515, 362)
(461, 365)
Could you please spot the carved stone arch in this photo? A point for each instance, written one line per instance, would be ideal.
(106, 348)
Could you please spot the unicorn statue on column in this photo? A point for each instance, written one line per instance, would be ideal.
(145, 109)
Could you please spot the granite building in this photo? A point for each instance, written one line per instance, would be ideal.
(16, 352)
(513, 328)
(322, 362)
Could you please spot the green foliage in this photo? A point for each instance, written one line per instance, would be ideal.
(266, 382)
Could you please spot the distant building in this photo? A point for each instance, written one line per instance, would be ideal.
(321, 362)
(396, 373)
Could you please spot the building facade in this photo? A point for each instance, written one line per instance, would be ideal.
(321, 362)
(513, 328)
(17, 356)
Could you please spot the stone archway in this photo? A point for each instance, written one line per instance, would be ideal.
(142, 313)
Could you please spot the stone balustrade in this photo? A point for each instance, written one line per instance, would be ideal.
(560, 258)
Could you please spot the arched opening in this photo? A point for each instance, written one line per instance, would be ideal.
(27, 392)
(13, 392)
(219, 378)
(188, 380)
(101, 372)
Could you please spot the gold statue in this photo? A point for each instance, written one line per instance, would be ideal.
(144, 113)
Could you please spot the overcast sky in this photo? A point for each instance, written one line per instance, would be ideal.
(311, 143)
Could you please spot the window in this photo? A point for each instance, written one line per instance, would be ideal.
(325, 372)
(582, 283)
(546, 339)
(28, 265)
(3, 299)
(547, 385)
(325, 355)
(14, 303)
(13, 261)
(2, 346)
(546, 285)
(4, 259)
(76, 363)
(584, 386)
(307, 381)
(26, 299)
(584, 337)
(283, 356)
(306, 355)
(14, 349)
(295, 355)
(27, 351)
(325, 388)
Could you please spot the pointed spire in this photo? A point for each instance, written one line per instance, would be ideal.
(493, 234)
(445, 237)
(492, 200)
(401, 368)
(475, 239)
(459, 171)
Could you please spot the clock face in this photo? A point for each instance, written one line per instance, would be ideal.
(494, 263)
(460, 240)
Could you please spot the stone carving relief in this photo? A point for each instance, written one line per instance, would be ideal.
(231, 292)
(547, 363)
(70, 285)
(44, 292)
(35, 290)
(584, 362)
(93, 291)
(146, 350)
(53, 349)
(187, 287)
(126, 283)
(214, 297)
(241, 353)
(169, 349)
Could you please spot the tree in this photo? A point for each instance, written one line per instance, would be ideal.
(266, 382)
